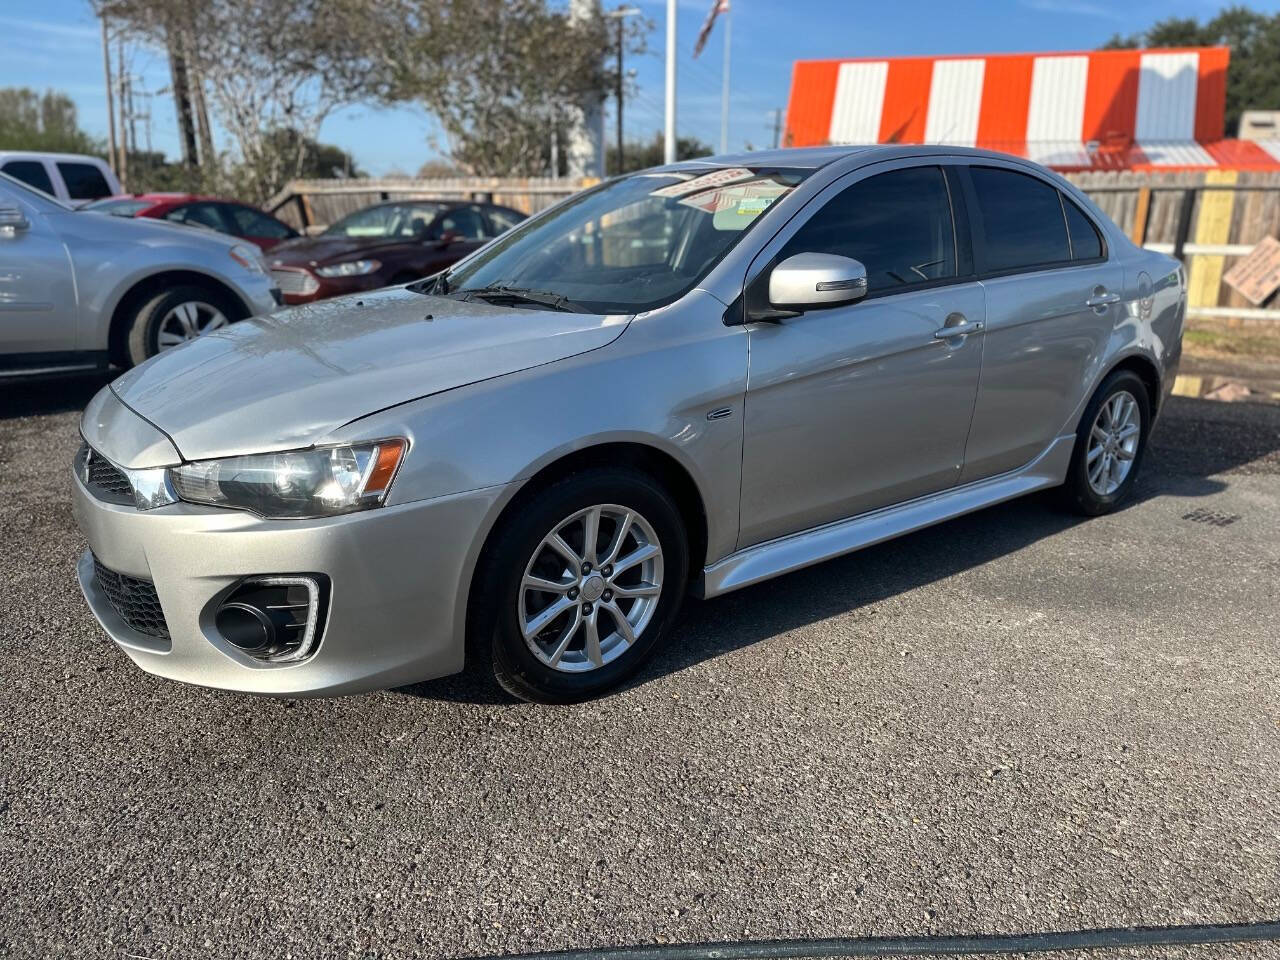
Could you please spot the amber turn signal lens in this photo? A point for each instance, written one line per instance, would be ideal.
(390, 453)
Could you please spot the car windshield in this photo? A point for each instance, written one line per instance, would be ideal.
(387, 220)
(632, 244)
(117, 206)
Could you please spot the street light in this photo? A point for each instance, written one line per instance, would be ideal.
(620, 15)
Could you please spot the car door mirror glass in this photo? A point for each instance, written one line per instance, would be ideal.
(808, 281)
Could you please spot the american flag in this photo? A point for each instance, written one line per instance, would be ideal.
(717, 7)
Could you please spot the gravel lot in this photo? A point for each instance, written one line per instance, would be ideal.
(1016, 721)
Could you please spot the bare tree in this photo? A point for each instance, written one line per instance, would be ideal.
(264, 66)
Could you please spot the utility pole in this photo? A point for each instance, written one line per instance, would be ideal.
(111, 106)
(620, 15)
(123, 170)
(669, 126)
(724, 85)
(777, 126)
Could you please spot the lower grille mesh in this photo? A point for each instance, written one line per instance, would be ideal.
(133, 600)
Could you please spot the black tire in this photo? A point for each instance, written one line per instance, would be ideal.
(144, 326)
(494, 623)
(1077, 493)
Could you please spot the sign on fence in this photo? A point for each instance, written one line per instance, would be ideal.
(1257, 275)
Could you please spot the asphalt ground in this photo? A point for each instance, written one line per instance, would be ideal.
(1016, 721)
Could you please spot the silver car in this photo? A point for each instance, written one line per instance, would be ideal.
(81, 290)
(693, 379)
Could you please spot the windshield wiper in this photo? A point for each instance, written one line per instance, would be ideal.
(543, 298)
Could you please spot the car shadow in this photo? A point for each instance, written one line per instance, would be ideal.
(48, 395)
(1195, 443)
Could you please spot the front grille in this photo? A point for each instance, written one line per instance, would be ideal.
(297, 283)
(104, 479)
(133, 600)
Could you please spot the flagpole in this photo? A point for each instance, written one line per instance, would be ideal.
(724, 85)
(669, 138)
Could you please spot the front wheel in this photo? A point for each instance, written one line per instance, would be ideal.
(585, 581)
(1110, 443)
(174, 316)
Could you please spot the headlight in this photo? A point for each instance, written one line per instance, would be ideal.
(319, 482)
(248, 257)
(352, 268)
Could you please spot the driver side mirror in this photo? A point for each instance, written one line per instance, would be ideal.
(448, 237)
(810, 281)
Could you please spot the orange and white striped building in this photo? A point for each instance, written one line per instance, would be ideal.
(1099, 110)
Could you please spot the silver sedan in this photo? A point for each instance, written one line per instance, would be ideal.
(82, 290)
(693, 379)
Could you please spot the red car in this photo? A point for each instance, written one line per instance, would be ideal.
(225, 216)
(386, 244)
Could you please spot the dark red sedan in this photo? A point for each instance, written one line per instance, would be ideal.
(225, 216)
(385, 244)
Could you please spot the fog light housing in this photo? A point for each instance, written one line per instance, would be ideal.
(276, 619)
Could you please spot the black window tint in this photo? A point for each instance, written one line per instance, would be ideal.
(466, 222)
(503, 219)
(1085, 242)
(30, 172)
(84, 181)
(1021, 218)
(898, 224)
(198, 215)
(249, 222)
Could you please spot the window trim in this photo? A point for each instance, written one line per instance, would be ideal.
(739, 312)
(979, 240)
(1071, 244)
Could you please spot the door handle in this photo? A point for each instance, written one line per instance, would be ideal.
(961, 329)
(1102, 299)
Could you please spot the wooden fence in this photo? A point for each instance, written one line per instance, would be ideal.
(1208, 219)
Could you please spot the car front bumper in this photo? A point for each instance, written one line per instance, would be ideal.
(398, 580)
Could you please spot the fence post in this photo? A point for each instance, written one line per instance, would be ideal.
(1141, 217)
(1184, 221)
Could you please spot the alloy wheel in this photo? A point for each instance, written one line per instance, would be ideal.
(187, 321)
(1113, 443)
(591, 588)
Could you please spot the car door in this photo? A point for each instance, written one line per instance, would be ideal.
(38, 309)
(864, 405)
(1053, 300)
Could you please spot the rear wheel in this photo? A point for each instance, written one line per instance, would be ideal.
(582, 585)
(176, 316)
(1110, 444)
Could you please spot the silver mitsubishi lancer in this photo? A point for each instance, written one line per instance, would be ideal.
(689, 379)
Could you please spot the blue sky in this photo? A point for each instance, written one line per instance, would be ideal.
(55, 44)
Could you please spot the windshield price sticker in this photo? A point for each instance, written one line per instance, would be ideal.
(708, 181)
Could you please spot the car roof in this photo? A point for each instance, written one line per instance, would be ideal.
(47, 155)
(811, 158)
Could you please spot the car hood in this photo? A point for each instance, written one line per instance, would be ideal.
(307, 251)
(288, 380)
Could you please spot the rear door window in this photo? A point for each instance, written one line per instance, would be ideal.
(466, 222)
(1085, 242)
(898, 224)
(30, 172)
(1019, 220)
(249, 222)
(84, 180)
(199, 215)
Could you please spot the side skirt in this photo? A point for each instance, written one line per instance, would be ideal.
(763, 561)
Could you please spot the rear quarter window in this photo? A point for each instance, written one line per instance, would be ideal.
(84, 180)
(1085, 242)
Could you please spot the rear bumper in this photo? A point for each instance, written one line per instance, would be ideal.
(398, 580)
